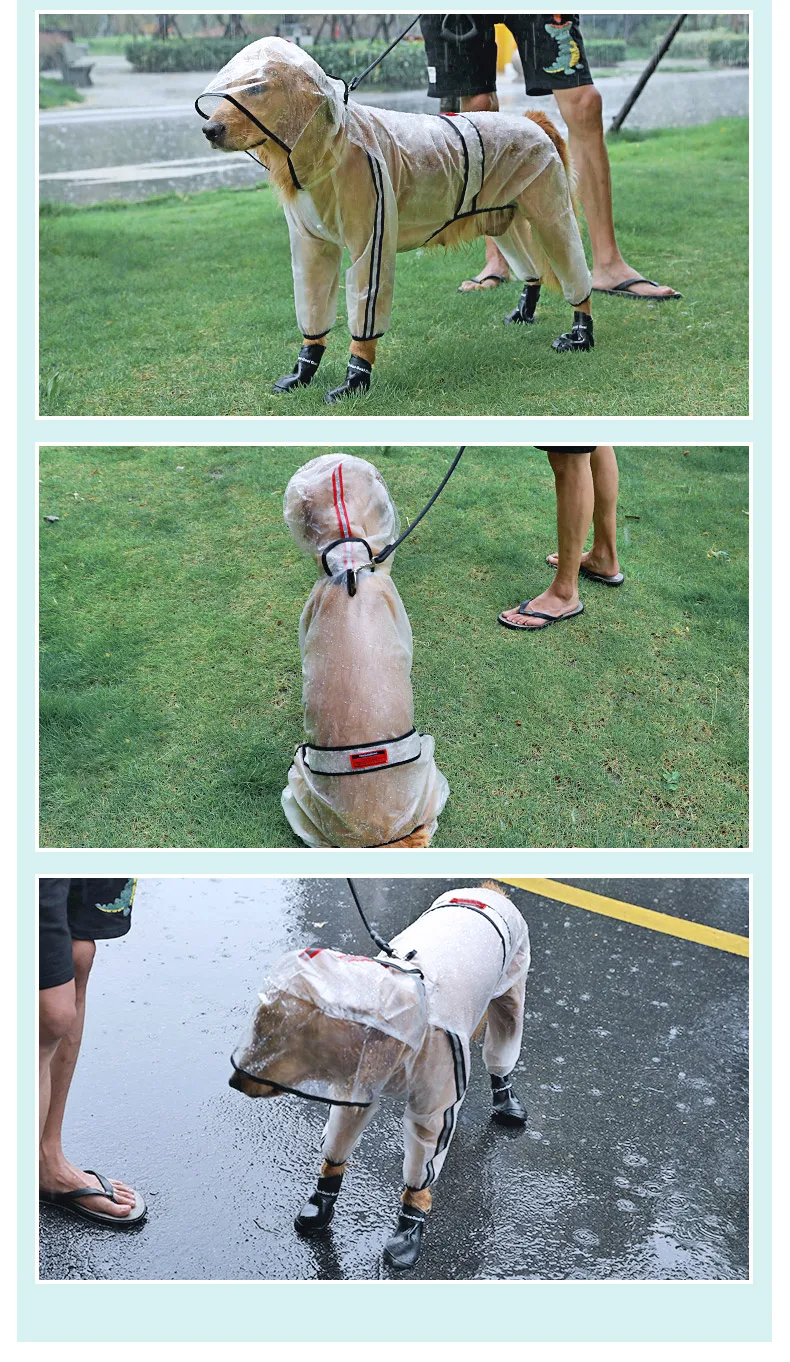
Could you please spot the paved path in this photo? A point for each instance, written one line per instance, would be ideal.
(138, 134)
(634, 1069)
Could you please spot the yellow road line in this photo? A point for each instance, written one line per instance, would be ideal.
(630, 912)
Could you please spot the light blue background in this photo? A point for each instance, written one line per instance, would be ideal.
(367, 1311)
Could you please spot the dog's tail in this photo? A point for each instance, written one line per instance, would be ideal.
(547, 274)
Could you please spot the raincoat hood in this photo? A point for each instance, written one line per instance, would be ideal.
(334, 1027)
(288, 96)
(340, 497)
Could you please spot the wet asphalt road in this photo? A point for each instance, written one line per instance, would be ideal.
(634, 1163)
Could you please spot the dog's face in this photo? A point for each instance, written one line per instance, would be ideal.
(266, 96)
(230, 129)
(299, 1047)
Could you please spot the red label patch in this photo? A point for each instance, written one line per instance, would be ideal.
(362, 761)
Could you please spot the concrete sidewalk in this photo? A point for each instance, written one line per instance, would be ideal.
(634, 1164)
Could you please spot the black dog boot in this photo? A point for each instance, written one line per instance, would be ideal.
(508, 1110)
(525, 312)
(309, 358)
(357, 380)
(403, 1249)
(580, 337)
(316, 1213)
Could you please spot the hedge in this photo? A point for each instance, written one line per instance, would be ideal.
(691, 45)
(404, 69)
(604, 51)
(191, 54)
(730, 51)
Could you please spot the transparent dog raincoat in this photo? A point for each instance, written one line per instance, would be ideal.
(356, 667)
(379, 182)
(472, 949)
(333, 1027)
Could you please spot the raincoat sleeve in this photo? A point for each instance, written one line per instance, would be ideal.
(437, 1087)
(315, 263)
(343, 1131)
(369, 212)
(502, 1045)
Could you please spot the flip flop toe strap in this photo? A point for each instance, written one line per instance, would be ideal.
(106, 1190)
(539, 614)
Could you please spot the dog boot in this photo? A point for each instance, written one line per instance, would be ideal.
(316, 1213)
(308, 360)
(403, 1248)
(508, 1110)
(525, 312)
(580, 337)
(357, 380)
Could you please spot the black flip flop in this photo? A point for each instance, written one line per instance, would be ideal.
(500, 277)
(67, 1201)
(623, 290)
(539, 614)
(616, 580)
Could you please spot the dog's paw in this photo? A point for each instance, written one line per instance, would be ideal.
(580, 336)
(357, 381)
(524, 314)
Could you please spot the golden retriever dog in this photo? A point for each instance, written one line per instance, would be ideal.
(348, 1030)
(364, 776)
(377, 182)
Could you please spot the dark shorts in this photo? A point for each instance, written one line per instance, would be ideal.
(550, 46)
(567, 449)
(78, 910)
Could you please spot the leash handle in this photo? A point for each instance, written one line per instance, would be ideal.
(390, 548)
(359, 79)
(374, 936)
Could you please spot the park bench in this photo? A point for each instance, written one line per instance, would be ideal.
(75, 64)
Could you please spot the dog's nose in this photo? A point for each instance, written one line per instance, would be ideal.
(213, 131)
(236, 1081)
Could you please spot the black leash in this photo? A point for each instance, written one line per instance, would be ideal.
(374, 936)
(351, 87)
(383, 555)
(390, 548)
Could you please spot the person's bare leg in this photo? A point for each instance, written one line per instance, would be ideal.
(56, 1014)
(582, 110)
(495, 261)
(602, 556)
(56, 1173)
(574, 484)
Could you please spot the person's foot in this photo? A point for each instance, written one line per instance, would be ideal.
(495, 271)
(549, 603)
(612, 275)
(486, 279)
(64, 1177)
(603, 565)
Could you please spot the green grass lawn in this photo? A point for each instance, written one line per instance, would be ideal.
(184, 306)
(53, 94)
(170, 671)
